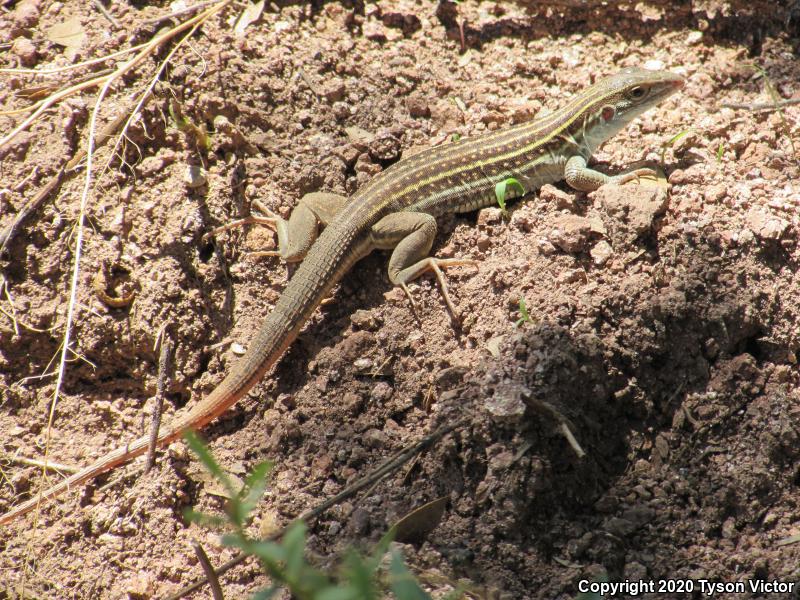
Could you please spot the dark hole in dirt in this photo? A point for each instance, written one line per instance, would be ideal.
(751, 345)
(206, 251)
(179, 399)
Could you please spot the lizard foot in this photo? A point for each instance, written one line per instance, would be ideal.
(436, 265)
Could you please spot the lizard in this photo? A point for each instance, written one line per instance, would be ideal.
(397, 210)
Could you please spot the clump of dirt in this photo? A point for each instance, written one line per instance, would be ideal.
(661, 328)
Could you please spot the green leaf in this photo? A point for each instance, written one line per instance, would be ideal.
(255, 485)
(203, 519)
(294, 545)
(720, 151)
(201, 450)
(404, 585)
(673, 140)
(267, 593)
(523, 311)
(270, 552)
(360, 574)
(338, 593)
(679, 136)
(502, 188)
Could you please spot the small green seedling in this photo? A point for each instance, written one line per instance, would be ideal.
(455, 137)
(358, 577)
(184, 125)
(523, 312)
(672, 141)
(500, 192)
(720, 151)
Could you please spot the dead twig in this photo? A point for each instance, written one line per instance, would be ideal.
(49, 464)
(104, 11)
(564, 425)
(208, 570)
(178, 13)
(163, 374)
(762, 105)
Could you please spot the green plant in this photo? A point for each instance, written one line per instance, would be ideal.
(184, 125)
(720, 151)
(672, 141)
(523, 312)
(500, 192)
(358, 577)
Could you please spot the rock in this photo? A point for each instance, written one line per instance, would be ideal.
(417, 106)
(385, 146)
(629, 211)
(228, 136)
(381, 392)
(26, 51)
(715, 193)
(374, 438)
(333, 90)
(451, 376)
(570, 233)
(506, 403)
(571, 276)
(409, 23)
(766, 225)
(562, 199)
(694, 37)
(489, 216)
(194, 177)
(601, 252)
(621, 528)
(446, 115)
(375, 31)
(365, 320)
(25, 16)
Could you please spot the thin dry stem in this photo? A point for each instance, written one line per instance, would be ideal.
(85, 63)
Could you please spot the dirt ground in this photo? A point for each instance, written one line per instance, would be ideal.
(663, 328)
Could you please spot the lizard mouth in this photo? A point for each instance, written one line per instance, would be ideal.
(678, 83)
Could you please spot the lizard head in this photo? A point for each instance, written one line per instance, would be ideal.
(632, 91)
(613, 102)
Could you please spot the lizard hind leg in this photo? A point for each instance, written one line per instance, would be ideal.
(298, 233)
(411, 236)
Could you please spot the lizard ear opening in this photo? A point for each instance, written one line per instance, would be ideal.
(608, 113)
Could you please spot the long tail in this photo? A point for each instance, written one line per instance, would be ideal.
(318, 273)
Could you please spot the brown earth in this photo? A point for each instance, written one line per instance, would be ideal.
(663, 329)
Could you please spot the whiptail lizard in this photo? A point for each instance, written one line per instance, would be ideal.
(397, 210)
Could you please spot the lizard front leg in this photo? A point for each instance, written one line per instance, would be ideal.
(297, 234)
(580, 177)
(411, 235)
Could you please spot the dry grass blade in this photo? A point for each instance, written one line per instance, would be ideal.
(85, 63)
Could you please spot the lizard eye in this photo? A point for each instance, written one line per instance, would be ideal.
(638, 92)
